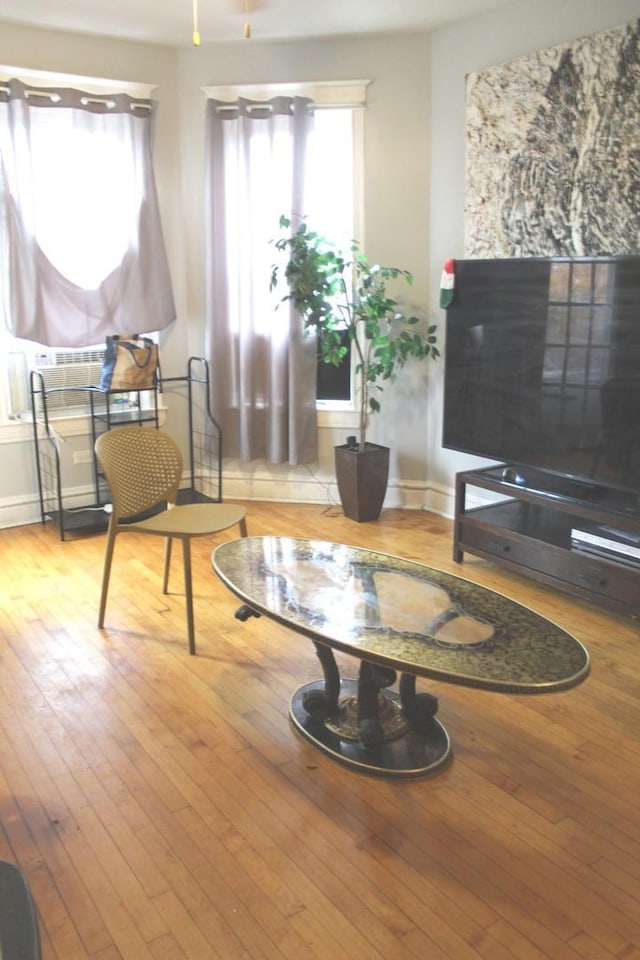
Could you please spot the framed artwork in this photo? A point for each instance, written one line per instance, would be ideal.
(553, 151)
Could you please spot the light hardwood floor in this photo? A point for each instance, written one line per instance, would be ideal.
(162, 807)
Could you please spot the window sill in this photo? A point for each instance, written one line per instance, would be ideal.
(64, 426)
(339, 417)
(336, 415)
(15, 431)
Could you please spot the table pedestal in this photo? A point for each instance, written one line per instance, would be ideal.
(365, 725)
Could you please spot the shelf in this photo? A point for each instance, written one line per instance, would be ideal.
(80, 519)
(525, 519)
(570, 496)
(125, 418)
(530, 534)
(203, 468)
(190, 495)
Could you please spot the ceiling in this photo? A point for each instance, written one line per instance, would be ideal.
(170, 21)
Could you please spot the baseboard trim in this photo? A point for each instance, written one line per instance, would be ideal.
(402, 494)
(236, 485)
(18, 511)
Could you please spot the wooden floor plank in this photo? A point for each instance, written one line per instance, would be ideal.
(162, 806)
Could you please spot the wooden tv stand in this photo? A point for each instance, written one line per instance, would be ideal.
(530, 532)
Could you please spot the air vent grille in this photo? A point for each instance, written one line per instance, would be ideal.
(65, 371)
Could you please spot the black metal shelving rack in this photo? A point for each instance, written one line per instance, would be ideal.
(105, 411)
(204, 433)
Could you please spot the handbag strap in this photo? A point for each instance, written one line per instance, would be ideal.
(133, 348)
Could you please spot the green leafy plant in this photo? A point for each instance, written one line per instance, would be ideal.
(334, 293)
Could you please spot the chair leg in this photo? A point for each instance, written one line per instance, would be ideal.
(108, 557)
(167, 563)
(243, 527)
(186, 559)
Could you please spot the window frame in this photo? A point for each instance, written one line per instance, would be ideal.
(12, 427)
(330, 94)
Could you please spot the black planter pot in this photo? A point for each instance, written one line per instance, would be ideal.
(362, 480)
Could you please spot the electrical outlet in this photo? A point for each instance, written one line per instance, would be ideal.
(82, 456)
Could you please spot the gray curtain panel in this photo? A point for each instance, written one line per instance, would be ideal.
(41, 301)
(263, 367)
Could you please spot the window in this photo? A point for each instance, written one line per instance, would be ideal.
(69, 162)
(331, 185)
(79, 226)
(332, 191)
(331, 211)
(335, 383)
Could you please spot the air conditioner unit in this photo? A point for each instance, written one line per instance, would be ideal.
(64, 370)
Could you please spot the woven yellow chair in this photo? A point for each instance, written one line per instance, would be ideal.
(143, 467)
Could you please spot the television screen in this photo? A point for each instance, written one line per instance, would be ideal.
(542, 366)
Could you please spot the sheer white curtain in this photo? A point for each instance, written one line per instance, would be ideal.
(82, 253)
(263, 368)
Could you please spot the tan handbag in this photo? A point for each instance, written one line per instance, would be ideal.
(130, 363)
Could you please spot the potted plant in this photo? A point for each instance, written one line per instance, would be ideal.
(334, 293)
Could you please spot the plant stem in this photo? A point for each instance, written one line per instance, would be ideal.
(361, 388)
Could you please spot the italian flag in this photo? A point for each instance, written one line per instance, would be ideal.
(447, 283)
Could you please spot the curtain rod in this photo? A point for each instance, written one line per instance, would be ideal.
(265, 105)
(86, 101)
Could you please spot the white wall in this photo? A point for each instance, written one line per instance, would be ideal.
(414, 181)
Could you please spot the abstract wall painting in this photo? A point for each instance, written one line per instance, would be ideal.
(553, 151)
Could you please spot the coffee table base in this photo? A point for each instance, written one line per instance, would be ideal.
(411, 753)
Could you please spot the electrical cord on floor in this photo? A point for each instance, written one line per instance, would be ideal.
(333, 508)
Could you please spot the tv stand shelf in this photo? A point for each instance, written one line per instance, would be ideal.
(529, 532)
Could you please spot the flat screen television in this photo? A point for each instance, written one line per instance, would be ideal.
(542, 366)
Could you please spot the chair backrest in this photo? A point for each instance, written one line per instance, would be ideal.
(143, 467)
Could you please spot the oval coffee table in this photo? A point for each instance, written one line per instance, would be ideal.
(395, 617)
